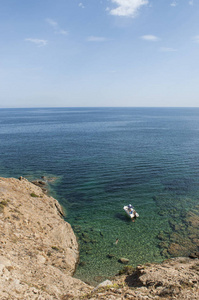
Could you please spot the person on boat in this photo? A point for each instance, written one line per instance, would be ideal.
(134, 216)
(130, 208)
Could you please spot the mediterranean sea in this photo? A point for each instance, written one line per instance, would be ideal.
(103, 159)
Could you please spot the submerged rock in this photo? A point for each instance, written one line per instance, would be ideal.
(194, 255)
(124, 260)
(162, 236)
(163, 244)
(110, 255)
(82, 263)
(192, 220)
(165, 253)
(174, 249)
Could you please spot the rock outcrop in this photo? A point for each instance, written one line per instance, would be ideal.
(38, 249)
(176, 278)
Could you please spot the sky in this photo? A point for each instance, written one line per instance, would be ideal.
(98, 53)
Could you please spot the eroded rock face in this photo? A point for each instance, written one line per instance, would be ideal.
(176, 278)
(38, 249)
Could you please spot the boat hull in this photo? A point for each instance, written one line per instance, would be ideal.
(132, 214)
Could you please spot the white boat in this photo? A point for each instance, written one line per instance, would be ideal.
(130, 211)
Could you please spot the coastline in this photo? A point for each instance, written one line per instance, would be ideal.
(39, 253)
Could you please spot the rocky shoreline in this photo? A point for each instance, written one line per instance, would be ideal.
(38, 249)
(39, 253)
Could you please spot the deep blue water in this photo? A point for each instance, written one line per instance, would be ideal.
(104, 158)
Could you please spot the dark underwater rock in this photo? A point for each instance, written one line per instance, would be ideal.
(163, 244)
(165, 253)
(194, 255)
(110, 255)
(162, 236)
(176, 249)
(82, 263)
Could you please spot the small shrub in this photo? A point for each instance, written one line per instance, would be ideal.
(55, 248)
(127, 270)
(1, 208)
(112, 286)
(33, 195)
(4, 203)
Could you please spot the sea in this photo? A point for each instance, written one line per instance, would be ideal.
(101, 159)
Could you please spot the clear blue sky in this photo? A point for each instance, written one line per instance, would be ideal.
(99, 53)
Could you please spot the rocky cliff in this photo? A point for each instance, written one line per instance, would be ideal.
(176, 278)
(39, 253)
(38, 249)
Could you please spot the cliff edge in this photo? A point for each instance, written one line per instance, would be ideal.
(38, 249)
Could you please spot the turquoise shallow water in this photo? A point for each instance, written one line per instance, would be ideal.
(105, 158)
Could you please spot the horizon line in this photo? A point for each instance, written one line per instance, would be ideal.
(40, 107)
